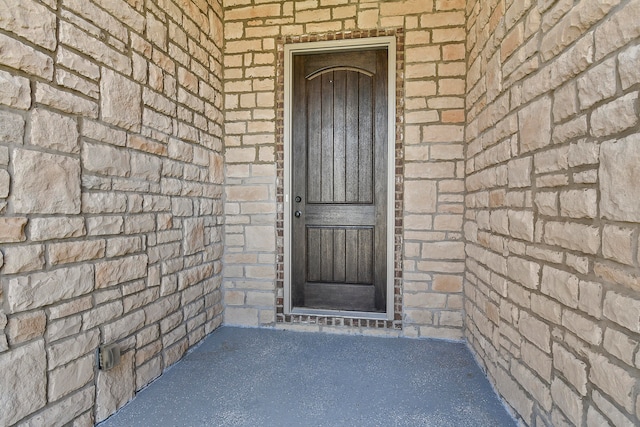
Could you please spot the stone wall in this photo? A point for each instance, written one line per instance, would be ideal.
(110, 198)
(430, 171)
(553, 206)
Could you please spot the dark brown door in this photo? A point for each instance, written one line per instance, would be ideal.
(339, 206)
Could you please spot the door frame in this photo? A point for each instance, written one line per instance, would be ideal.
(388, 42)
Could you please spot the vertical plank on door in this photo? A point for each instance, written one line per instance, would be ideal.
(326, 178)
(326, 254)
(339, 98)
(313, 254)
(314, 149)
(351, 137)
(365, 138)
(339, 254)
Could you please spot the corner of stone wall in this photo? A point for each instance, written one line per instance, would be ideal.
(110, 198)
(553, 207)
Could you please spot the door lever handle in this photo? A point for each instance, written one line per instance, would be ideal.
(297, 214)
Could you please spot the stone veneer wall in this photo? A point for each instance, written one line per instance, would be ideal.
(553, 206)
(430, 157)
(110, 198)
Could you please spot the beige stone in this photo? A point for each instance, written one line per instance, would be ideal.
(115, 387)
(56, 228)
(41, 289)
(535, 125)
(613, 380)
(599, 83)
(15, 91)
(573, 369)
(628, 64)
(615, 116)
(623, 310)
(12, 229)
(521, 225)
(65, 101)
(619, 173)
(111, 273)
(31, 20)
(573, 236)
(535, 330)
(22, 57)
(65, 410)
(5, 182)
(24, 373)
(71, 377)
(106, 160)
(569, 402)
(420, 196)
(11, 130)
(524, 272)
(64, 253)
(45, 183)
(54, 131)
(120, 100)
(617, 244)
(618, 30)
(20, 259)
(25, 327)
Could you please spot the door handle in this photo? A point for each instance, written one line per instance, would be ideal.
(297, 214)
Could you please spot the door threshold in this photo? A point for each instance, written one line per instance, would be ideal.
(339, 313)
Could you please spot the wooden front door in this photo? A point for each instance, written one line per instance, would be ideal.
(339, 181)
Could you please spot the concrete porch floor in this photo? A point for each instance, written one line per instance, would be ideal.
(262, 377)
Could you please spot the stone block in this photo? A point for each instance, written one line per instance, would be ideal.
(5, 183)
(54, 131)
(620, 345)
(115, 387)
(123, 327)
(56, 228)
(619, 175)
(535, 125)
(65, 101)
(20, 259)
(617, 244)
(110, 273)
(106, 160)
(45, 183)
(15, 91)
(25, 58)
(41, 289)
(11, 129)
(628, 65)
(120, 100)
(521, 225)
(524, 272)
(567, 400)
(31, 20)
(574, 236)
(25, 327)
(519, 171)
(585, 328)
(535, 331)
(618, 30)
(612, 380)
(420, 196)
(623, 310)
(590, 299)
(66, 410)
(64, 253)
(24, 374)
(145, 166)
(103, 225)
(572, 368)
(71, 377)
(615, 116)
(579, 203)
(598, 84)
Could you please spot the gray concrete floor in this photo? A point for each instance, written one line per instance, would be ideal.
(262, 377)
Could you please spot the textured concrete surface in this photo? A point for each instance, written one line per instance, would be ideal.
(261, 377)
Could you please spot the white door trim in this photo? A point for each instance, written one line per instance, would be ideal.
(388, 42)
